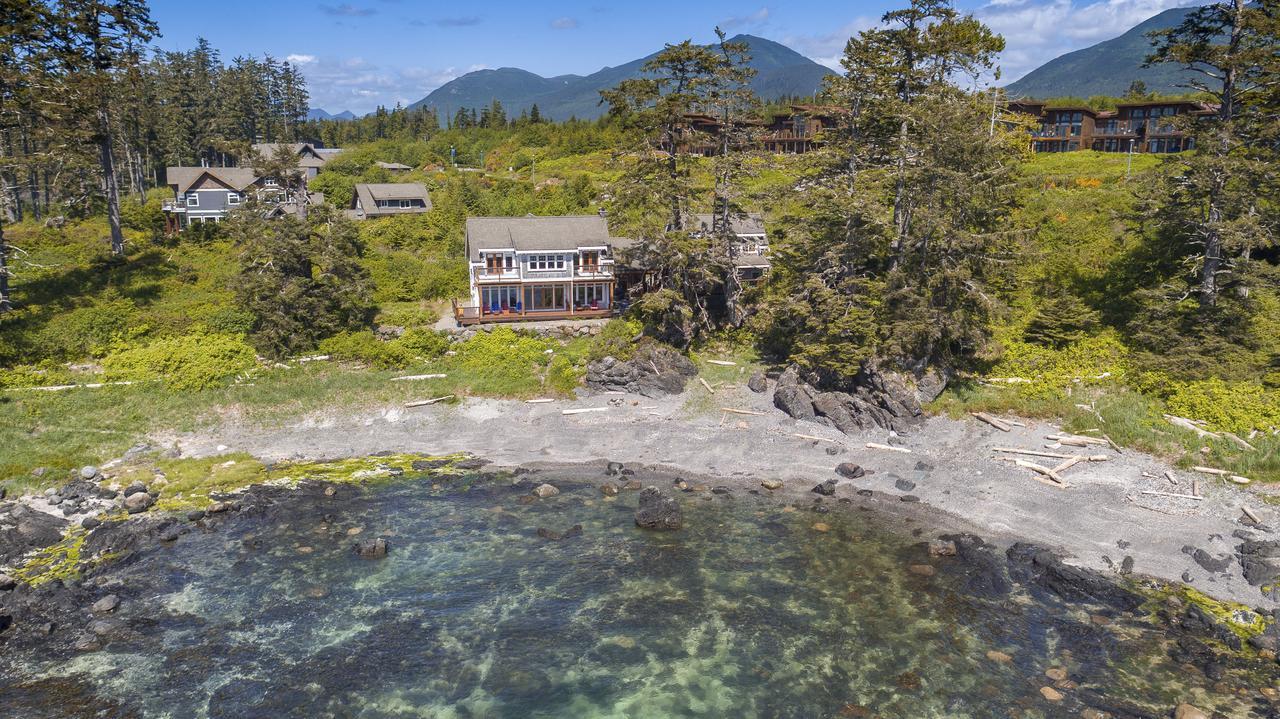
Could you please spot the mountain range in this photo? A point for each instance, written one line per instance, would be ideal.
(780, 72)
(1109, 67)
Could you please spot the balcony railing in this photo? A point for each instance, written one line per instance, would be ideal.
(485, 275)
(173, 206)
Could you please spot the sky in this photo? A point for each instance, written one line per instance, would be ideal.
(358, 54)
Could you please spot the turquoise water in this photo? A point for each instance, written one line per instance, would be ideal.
(747, 612)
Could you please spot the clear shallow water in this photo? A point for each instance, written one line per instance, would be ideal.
(747, 612)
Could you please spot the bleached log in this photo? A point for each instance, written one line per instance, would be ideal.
(1190, 425)
(425, 402)
(60, 387)
(704, 384)
(1039, 469)
(993, 421)
(1050, 482)
(1172, 479)
(1211, 470)
(1239, 442)
(584, 410)
(816, 439)
(752, 413)
(723, 363)
(1195, 486)
(1111, 443)
(1033, 452)
(413, 377)
(877, 445)
(538, 401)
(1170, 494)
(1009, 380)
(1249, 513)
(1069, 464)
(1240, 480)
(1076, 440)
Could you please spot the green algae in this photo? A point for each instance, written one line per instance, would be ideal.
(60, 561)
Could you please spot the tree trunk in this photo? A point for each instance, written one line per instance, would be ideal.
(1226, 116)
(5, 303)
(901, 216)
(110, 185)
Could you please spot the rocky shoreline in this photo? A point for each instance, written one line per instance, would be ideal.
(82, 613)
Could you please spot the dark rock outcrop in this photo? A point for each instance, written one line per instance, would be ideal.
(849, 470)
(653, 371)
(1260, 561)
(875, 398)
(373, 549)
(757, 383)
(1036, 565)
(574, 531)
(658, 510)
(826, 489)
(23, 529)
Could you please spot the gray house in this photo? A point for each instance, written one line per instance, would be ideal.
(207, 194)
(390, 198)
(751, 251)
(310, 158)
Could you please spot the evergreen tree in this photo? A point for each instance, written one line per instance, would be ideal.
(535, 115)
(101, 39)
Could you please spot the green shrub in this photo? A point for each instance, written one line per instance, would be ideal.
(40, 375)
(1101, 359)
(407, 314)
(502, 362)
(1239, 407)
(230, 321)
(367, 348)
(191, 362)
(93, 330)
(427, 344)
(617, 339)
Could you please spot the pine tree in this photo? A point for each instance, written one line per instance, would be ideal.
(535, 115)
(101, 39)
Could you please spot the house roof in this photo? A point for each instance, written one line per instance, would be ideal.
(393, 166)
(370, 193)
(182, 178)
(752, 224)
(538, 233)
(308, 156)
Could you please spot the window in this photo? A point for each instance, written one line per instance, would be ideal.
(233, 198)
(193, 200)
(271, 182)
(493, 263)
(406, 204)
(546, 262)
(594, 296)
(590, 261)
(500, 299)
(544, 297)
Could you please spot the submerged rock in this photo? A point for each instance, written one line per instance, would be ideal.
(826, 489)
(1186, 711)
(658, 510)
(545, 490)
(771, 484)
(574, 531)
(609, 490)
(374, 549)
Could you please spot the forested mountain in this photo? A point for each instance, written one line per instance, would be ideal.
(780, 72)
(316, 113)
(1109, 67)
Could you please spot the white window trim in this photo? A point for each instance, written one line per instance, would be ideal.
(193, 200)
(233, 199)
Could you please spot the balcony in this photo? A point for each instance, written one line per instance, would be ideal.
(486, 276)
(473, 315)
(173, 206)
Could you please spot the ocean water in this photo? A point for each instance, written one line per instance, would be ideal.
(749, 611)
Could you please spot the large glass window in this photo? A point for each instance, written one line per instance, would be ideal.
(544, 297)
(500, 299)
(593, 295)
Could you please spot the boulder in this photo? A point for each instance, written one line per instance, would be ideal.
(372, 549)
(826, 489)
(942, 548)
(105, 605)
(757, 383)
(135, 488)
(88, 472)
(545, 490)
(609, 490)
(90, 523)
(795, 400)
(138, 502)
(653, 371)
(849, 470)
(632, 485)
(1260, 561)
(574, 531)
(658, 510)
(23, 529)
(1186, 711)
(904, 485)
(771, 484)
(7, 583)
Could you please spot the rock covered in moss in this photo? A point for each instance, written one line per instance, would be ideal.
(23, 529)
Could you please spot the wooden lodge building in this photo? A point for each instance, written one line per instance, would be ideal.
(790, 134)
(1131, 127)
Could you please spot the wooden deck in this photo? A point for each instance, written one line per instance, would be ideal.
(474, 316)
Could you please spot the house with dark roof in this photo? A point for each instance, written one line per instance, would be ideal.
(537, 268)
(207, 194)
(388, 198)
(750, 251)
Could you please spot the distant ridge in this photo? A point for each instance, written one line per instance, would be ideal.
(316, 113)
(781, 72)
(1109, 67)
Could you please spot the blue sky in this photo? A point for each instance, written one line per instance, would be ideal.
(358, 54)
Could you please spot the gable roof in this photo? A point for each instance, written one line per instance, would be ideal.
(308, 156)
(527, 234)
(392, 166)
(370, 193)
(752, 224)
(182, 178)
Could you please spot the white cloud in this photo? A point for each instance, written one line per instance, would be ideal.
(827, 49)
(564, 23)
(298, 59)
(1036, 32)
(756, 19)
(355, 84)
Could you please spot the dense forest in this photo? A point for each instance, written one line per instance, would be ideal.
(922, 235)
